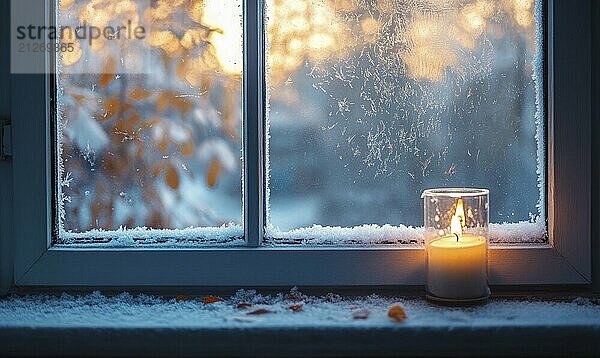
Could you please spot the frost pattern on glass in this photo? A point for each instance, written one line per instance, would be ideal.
(372, 101)
(149, 131)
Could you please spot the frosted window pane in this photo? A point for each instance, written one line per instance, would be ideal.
(149, 131)
(370, 102)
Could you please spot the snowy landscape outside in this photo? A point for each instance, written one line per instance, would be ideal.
(369, 103)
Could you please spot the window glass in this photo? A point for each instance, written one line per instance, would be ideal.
(149, 118)
(372, 101)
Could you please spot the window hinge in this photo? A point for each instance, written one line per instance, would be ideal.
(5, 140)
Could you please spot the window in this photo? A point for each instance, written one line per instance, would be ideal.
(372, 102)
(181, 159)
(149, 129)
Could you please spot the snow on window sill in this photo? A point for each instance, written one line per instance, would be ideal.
(224, 236)
(367, 235)
(239, 310)
(131, 324)
(317, 235)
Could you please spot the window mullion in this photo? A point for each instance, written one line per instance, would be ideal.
(253, 98)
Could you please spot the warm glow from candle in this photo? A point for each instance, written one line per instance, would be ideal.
(455, 227)
(458, 220)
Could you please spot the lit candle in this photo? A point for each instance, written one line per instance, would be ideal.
(456, 255)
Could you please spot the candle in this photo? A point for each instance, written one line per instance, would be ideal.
(457, 268)
(456, 243)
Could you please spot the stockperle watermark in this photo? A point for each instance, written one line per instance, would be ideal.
(85, 32)
(79, 39)
(40, 39)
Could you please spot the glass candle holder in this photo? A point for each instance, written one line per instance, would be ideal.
(456, 244)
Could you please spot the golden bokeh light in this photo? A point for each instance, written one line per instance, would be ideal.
(226, 16)
(523, 12)
(474, 17)
(301, 31)
(428, 57)
(370, 27)
(304, 31)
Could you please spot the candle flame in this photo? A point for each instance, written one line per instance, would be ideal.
(458, 220)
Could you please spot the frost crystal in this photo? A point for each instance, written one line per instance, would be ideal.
(370, 102)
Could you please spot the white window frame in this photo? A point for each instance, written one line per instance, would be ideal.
(29, 259)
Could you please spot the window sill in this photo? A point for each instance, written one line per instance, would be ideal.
(146, 325)
(307, 341)
(308, 267)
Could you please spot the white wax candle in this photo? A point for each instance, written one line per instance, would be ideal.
(457, 269)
